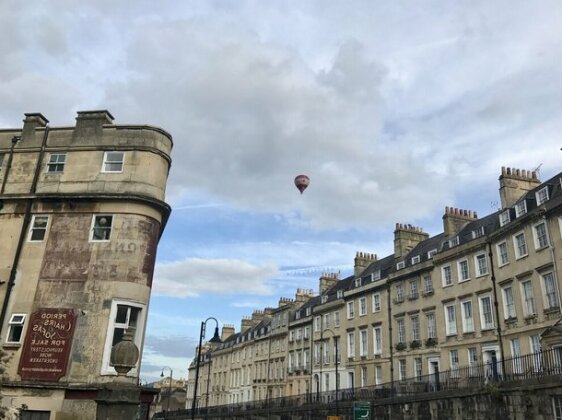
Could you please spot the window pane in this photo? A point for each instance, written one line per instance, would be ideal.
(121, 316)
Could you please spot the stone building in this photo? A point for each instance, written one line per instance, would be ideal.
(81, 213)
(483, 292)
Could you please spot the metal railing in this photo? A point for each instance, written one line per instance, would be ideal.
(476, 376)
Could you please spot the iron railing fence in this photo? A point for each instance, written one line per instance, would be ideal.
(475, 376)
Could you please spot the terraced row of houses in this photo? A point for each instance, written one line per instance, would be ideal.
(482, 291)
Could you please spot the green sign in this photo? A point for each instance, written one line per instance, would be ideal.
(361, 410)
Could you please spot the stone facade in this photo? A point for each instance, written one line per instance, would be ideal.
(481, 292)
(81, 213)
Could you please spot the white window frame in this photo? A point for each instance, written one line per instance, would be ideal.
(418, 369)
(326, 323)
(461, 272)
(431, 253)
(16, 323)
(339, 294)
(428, 284)
(542, 195)
(416, 259)
(505, 217)
(431, 325)
(351, 344)
(517, 247)
(521, 208)
(542, 238)
(472, 354)
(377, 340)
(477, 233)
(399, 293)
(483, 324)
(467, 318)
(378, 375)
(377, 274)
(376, 302)
(481, 270)
(106, 369)
(528, 298)
(33, 228)
(363, 342)
(362, 306)
(317, 323)
(414, 294)
(515, 345)
(550, 290)
(447, 280)
(55, 163)
(106, 162)
(454, 362)
(415, 321)
(401, 330)
(509, 310)
(351, 309)
(450, 319)
(503, 257)
(453, 242)
(400, 265)
(402, 369)
(94, 226)
(336, 319)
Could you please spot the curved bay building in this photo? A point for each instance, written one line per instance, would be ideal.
(81, 213)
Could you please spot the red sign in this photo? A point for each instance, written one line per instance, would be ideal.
(47, 344)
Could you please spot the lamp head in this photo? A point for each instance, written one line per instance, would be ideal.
(216, 337)
(162, 374)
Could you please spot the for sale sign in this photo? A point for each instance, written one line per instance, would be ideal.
(47, 344)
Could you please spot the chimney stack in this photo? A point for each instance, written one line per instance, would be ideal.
(515, 183)
(455, 219)
(90, 123)
(406, 237)
(227, 331)
(362, 261)
(31, 123)
(327, 280)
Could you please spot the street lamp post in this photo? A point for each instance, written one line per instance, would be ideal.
(336, 363)
(169, 388)
(208, 382)
(215, 339)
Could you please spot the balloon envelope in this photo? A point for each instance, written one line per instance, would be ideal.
(301, 182)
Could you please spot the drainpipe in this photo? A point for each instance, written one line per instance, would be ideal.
(390, 342)
(498, 323)
(24, 227)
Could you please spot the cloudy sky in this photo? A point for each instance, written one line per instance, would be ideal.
(394, 109)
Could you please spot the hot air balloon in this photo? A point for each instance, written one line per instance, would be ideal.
(301, 182)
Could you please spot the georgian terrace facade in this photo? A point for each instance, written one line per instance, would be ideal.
(483, 290)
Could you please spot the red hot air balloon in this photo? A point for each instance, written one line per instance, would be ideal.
(301, 182)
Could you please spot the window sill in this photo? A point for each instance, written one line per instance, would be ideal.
(447, 285)
(521, 257)
(464, 281)
(482, 275)
(12, 346)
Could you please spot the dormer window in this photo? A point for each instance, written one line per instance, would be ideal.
(400, 265)
(358, 282)
(478, 232)
(521, 208)
(453, 242)
(324, 298)
(542, 196)
(415, 259)
(308, 311)
(377, 274)
(504, 218)
(431, 253)
(340, 294)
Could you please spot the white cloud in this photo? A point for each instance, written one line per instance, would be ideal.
(196, 276)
